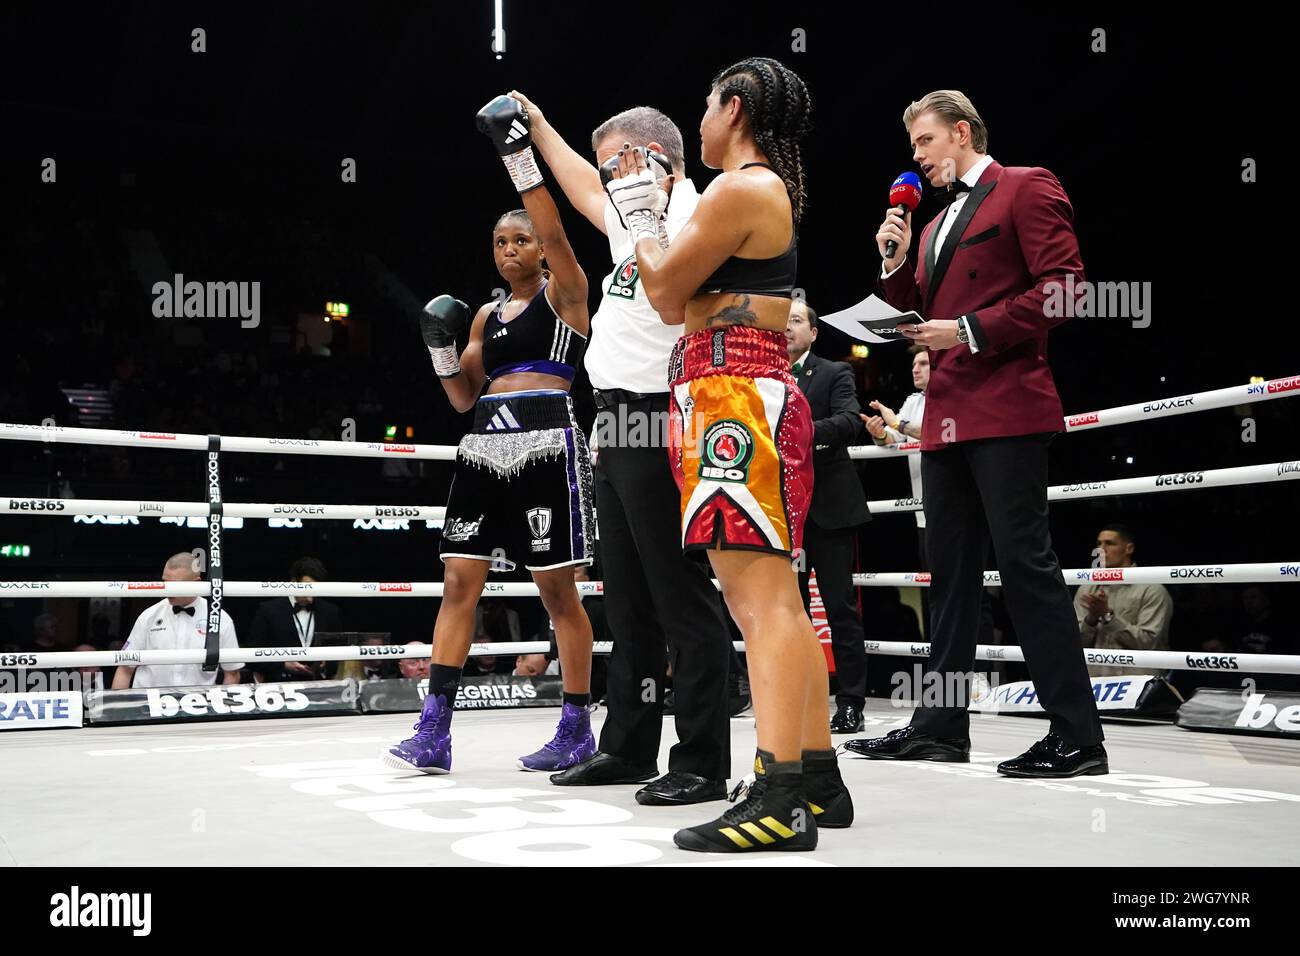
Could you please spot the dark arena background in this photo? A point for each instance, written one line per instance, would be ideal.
(328, 153)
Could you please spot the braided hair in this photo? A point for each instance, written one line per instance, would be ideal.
(780, 114)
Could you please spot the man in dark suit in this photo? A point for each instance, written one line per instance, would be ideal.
(838, 507)
(992, 268)
(293, 621)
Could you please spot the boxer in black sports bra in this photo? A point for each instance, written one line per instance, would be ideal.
(521, 493)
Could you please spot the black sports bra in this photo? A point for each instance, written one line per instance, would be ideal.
(535, 340)
(774, 276)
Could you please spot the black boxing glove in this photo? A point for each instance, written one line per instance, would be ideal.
(442, 320)
(505, 121)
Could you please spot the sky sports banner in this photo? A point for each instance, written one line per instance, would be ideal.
(141, 705)
(1221, 708)
(40, 711)
(489, 692)
(1140, 695)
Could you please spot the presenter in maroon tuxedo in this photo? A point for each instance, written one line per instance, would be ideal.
(984, 281)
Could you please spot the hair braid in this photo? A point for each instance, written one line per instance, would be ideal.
(779, 108)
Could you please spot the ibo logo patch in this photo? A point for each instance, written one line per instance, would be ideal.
(726, 451)
(623, 285)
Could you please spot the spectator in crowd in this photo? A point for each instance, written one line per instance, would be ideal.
(415, 668)
(481, 665)
(45, 635)
(176, 623)
(369, 668)
(838, 507)
(495, 623)
(1132, 617)
(292, 621)
(535, 665)
(1256, 629)
(101, 631)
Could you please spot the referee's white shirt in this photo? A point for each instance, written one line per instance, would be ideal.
(630, 344)
(159, 629)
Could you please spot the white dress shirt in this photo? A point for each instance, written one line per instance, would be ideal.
(630, 345)
(158, 628)
(304, 622)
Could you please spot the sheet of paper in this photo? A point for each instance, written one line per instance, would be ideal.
(871, 320)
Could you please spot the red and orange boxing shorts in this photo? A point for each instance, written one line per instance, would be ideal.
(740, 440)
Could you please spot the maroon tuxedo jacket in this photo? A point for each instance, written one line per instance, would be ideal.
(1013, 237)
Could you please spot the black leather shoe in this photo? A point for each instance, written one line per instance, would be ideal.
(604, 769)
(678, 786)
(908, 743)
(848, 720)
(1053, 757)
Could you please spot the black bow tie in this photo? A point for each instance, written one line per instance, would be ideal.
(949, 195)
(301, 606)
(187, 609)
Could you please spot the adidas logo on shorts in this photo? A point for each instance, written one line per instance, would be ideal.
(503, 420)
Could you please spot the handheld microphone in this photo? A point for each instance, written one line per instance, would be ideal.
(904, 195)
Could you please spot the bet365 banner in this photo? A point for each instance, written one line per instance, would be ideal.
(140, 705)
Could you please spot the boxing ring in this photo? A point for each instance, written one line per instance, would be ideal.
(313, 791)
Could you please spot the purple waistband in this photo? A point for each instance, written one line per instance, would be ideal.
(544, 366)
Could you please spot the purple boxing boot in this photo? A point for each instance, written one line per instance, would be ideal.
(572, 744)
(429, 751)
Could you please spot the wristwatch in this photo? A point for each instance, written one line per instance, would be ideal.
(1107, 617)
(963, 336)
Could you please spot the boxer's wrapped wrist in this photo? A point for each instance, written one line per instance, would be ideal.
(643, 224)
(523, 170)
(445, 360)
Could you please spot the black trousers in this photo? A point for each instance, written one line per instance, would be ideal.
(997, 488)
(658, 602)
(830, 554)
(986, 635)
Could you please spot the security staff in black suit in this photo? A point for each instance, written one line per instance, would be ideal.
(839, 505)
(293, 621)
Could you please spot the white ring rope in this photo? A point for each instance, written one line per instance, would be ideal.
(1148, 484)
(1141, 411)
(1119, 415)
(199, 509)
(1258, 573)
(1178, 481)
(1160, 660)
(278, 446)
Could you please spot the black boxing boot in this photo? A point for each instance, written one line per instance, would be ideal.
(831, 802)
(774, 815)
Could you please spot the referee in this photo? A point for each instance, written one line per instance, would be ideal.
(657, 603)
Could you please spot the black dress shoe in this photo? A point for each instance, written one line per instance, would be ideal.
(848, 720)
(1053, 757)
(908, 743)
(678, 786)
(604, 769)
